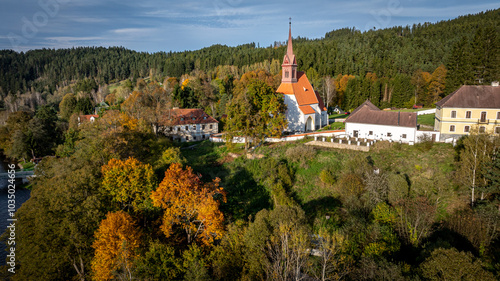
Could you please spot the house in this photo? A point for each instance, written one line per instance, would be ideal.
(468, 106)
(338, 110)
(185, 124)
(305, 108)
(368, 121)
(87, 118)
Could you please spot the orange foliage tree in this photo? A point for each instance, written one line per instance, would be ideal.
(128, 182)
(116, 245)
(190, 204)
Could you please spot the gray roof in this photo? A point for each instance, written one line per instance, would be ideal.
(368, 113)
(472, 97)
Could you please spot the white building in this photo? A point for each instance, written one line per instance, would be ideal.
(305, 108)
(188, 125)
(368, 121)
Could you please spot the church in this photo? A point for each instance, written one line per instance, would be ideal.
(305, 108)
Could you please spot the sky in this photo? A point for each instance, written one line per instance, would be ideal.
(155, 25)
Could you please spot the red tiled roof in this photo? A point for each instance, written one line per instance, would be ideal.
(368, 113)
(303, 91)
(472, 97)
(87, 117)
(187, 116)
(306, 109)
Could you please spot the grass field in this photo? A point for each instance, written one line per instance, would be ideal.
(418, 170)
(334, 116)
(426, 119)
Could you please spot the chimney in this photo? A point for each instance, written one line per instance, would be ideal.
(494, 83)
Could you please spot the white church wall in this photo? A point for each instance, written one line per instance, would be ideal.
(293, 114)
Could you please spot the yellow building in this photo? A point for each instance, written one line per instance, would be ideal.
(469, 106)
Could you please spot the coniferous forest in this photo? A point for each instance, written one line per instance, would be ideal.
(114, 199)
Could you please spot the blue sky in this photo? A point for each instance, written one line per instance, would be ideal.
(154, 25)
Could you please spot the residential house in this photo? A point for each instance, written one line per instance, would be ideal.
(87, 118)
(368, 121)
(305, 108)
(188, 125)
(469, 106)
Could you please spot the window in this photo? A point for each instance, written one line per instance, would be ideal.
(389, 134)
(404, 136)
(186, 128)
(193, 118)
(370, 133)
(293, 73)
(466, 129)
(497, 130)
(482, 129)
(498, 115)
(203, 127)
(210, 127)
(468, 114)
(182, 118)
(194, 138)
(287, 74)
(453, 114)
(483, 116)
(452, 128)
(204, 117)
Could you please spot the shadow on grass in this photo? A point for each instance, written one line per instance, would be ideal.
(325, 206)
(245, 196)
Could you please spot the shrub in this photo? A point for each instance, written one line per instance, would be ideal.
(300, 154)
(328, 177)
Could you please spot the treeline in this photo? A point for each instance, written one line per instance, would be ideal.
(467, 46)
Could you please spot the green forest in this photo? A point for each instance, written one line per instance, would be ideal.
(395, 67)
(114, 199)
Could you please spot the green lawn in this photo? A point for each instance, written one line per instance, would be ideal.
(333, 116)
(334, 126)
(426, 119)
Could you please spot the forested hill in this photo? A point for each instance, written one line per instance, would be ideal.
(467, 43)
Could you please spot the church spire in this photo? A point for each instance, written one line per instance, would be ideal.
(289, 51)
(289, 66)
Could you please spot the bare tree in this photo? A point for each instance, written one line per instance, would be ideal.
(288, 252)
(334, 266)
(329, 91)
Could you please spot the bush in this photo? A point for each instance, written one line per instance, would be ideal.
(328, 177)
(300, 154)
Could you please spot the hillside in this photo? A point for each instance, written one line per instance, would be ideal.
(468, 47)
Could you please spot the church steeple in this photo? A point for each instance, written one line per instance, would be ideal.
(289, 66)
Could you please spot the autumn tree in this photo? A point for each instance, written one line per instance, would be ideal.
(129, 183)
(256, 113)
(190, 204)
(116, 243)
(437, 84)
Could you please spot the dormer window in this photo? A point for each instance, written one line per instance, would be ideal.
(204, 117)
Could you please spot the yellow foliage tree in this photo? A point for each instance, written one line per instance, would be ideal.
(128, 182)
(190, 204)
(116, 244)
